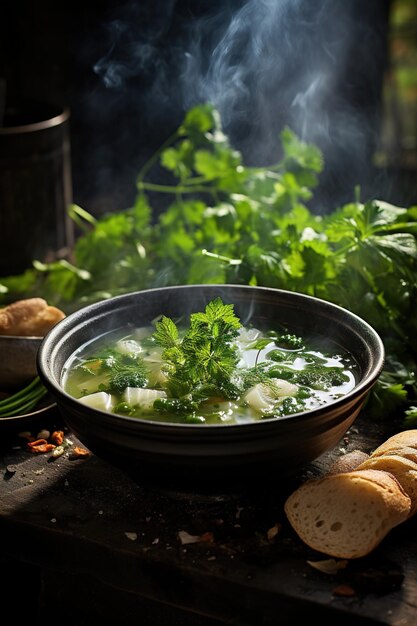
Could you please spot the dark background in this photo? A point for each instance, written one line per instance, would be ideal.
(60, 53)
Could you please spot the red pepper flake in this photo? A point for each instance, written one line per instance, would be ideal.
(36, 442)
(344, 591)
(57, 437)
(80, 453)
(39, 446)
(207, 537)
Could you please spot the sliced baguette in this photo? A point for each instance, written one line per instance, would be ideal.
(347, 515)
(405, 451)
(348, 462)
(404, 470)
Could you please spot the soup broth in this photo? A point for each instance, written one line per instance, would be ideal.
(269, 375)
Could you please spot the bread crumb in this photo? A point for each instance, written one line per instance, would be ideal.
(344, 591)
(329, 566)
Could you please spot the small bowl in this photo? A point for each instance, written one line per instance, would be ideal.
(18, 369)
(17, 360)
(46, 409)
(171, 452)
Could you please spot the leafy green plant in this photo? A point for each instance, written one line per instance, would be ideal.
(229, 223)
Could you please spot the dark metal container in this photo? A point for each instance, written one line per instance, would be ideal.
(35, 185)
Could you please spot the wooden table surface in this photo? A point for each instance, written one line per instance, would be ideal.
(82, 540)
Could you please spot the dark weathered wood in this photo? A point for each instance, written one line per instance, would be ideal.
(74, 519)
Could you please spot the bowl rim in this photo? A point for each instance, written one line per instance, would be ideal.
(20, 337)
(63, 326)
(9, 420)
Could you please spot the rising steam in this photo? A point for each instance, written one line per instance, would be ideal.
(313, 66)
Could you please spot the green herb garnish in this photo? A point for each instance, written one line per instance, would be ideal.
(116, 371)
(204, 357)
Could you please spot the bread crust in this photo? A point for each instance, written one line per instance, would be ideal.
(32, 317)
(404, 470)
(348, 462)
(405, 452)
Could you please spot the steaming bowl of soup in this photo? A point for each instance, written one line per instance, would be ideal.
(143, 388)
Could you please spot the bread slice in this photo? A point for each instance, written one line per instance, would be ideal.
(347, 515)
(406, 452)
(348, 462)
(404, 438)
(404, 470)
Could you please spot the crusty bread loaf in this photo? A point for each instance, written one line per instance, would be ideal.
(404, 470)
(348, 462)
(347, 515)
(31, 317)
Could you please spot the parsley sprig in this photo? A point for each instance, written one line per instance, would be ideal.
(204, 359)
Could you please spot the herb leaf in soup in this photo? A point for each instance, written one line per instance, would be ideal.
(213, 371)
(204, 356)
(115, 369)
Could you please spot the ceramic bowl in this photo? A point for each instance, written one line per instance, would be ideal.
(17, 360)
(17, 369)
(176, 451)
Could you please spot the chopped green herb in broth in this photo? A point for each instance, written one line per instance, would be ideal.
(215, 371)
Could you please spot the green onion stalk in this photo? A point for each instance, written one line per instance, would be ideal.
(24, 400)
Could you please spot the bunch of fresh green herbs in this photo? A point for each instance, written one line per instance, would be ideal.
(226, 222)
